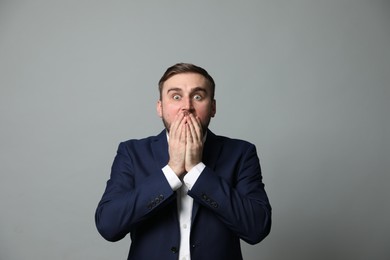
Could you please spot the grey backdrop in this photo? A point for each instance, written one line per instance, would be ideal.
(306, 81)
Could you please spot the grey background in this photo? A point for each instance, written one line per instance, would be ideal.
(306, 81)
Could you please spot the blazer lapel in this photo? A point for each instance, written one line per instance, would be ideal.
(160, 149)
(211, 151)
(159, 146)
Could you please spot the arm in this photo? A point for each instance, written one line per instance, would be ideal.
(131, 196)
(241, 203)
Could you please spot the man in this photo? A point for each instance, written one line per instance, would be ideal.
(185, 193)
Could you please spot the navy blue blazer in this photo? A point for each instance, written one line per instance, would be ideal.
(229, 201)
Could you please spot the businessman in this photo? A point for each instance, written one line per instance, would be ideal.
(185, 193)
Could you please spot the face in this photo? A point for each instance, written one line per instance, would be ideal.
(186, 92)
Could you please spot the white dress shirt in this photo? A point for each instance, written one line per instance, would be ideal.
(184, 203)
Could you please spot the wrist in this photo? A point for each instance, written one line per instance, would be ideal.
(178, 170)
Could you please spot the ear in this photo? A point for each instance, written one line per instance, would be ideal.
(159, 108)
(213, 108)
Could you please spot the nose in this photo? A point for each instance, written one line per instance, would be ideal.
(187, 105)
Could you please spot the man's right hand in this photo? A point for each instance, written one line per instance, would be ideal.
(177, 145)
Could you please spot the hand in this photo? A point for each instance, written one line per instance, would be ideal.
(177, 145)
(194, 142)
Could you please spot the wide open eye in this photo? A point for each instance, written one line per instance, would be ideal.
(198, 97)
(176, 97)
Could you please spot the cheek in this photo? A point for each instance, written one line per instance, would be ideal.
(203, 112)
(170, 110)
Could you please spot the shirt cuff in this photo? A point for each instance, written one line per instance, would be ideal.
(172, 178)
(192, 176)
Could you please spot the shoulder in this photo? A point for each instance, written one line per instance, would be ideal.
(227, 139)
(229, 142)
(143, 142)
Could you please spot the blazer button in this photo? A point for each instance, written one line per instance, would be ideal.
(174, 250)
(214, 204)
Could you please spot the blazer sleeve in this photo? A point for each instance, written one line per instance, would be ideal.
(235, 193)
(132, 194)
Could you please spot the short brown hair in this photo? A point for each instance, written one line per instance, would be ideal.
(186, 68)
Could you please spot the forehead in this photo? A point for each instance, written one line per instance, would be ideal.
(185, 81)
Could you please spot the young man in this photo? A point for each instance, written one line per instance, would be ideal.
(185, 193)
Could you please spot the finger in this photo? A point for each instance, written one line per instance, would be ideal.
(183, 130)
(190, 128)
(175, 131)
(180, 133)
(196, 128)
(189, 134)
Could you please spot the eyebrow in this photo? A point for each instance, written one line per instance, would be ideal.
(201, 89)
(197, 89)
(174, 90)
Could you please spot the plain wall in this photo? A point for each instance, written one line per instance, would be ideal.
(306, 81)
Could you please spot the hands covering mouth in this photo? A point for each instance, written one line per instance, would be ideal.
(185, 143)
